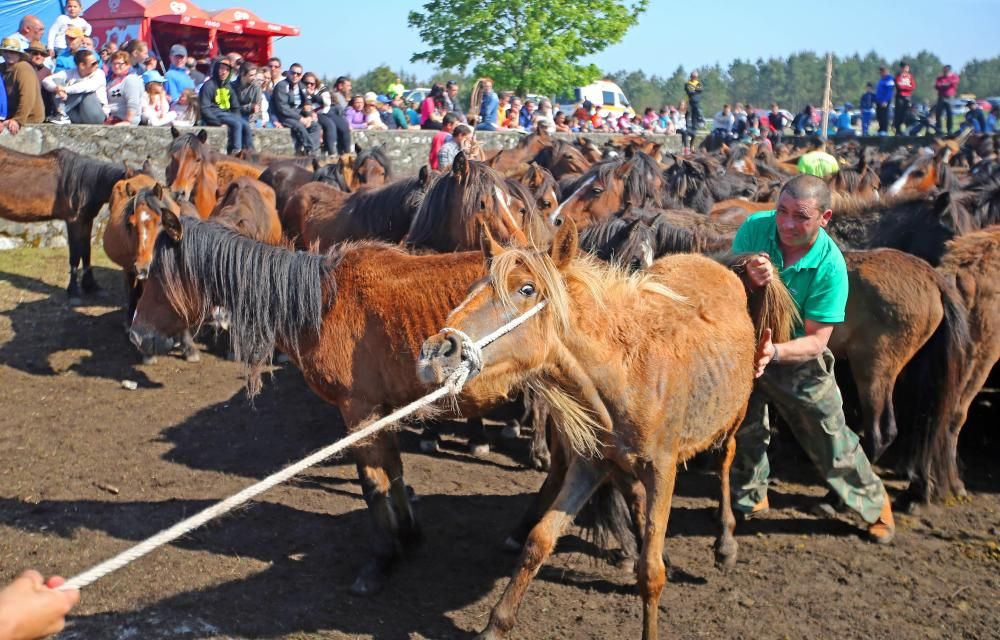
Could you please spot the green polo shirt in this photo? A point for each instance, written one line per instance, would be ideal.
(817, 282)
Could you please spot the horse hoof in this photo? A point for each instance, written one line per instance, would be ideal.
(479, 450)
(724, 561)
(540, 461)
(192, 357)
(429, 446)
(369, 582)
(511, 432)
(511, 545)
(149, 359)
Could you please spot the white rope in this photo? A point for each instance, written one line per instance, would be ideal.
(452, 386)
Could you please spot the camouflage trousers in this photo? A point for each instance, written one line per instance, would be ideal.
(807, 396)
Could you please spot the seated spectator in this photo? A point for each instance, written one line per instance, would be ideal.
(156, 104)
(412, 115)
(151, 63)
(441, 137)
(432, 108)
(124, 92)
(802, 123)
(722, 124)
(30, 28)
(38, 54)
(398, 116)
(22, 91)
(336, 131)
(192, 68)
(219, 107)
(177, 78)
(489, 107)
(138, 51)
(355, 113)
(446, 154)
(286, 106)
(80, 94)
(544, 117)
(384, 106)
(310, 122)
(105, 55)
(513, 119)
(562, 124)
(527, 114)
(248, 93)
(186, 109)
(74, 39)
(583, 111)
(574, 124)
(372, 118)
(844, 128)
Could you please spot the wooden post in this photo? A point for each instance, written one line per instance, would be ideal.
(826, 95)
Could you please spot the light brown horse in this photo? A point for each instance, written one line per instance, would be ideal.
(972, 262)
(562, 159)
(191, 172)
(59, 185)
(543, 186)
(248, 207)
(527, 148)
(229, 169)
(645, 371)
(371, 168)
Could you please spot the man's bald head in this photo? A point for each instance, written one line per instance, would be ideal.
(807, 187)
(31, 28)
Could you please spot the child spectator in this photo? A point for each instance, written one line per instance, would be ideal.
(186, 109)
(57, 33)
(156, 105)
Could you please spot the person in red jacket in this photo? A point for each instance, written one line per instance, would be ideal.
(946, 85)
(906, 84)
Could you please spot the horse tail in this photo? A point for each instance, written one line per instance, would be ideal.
(605, 519)
(771, 307)
(932, 466)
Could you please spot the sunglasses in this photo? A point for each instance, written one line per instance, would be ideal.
(310, 84)
(295, 73)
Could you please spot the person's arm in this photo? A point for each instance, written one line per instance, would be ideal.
(58, 27)
(90, 84)
(32, 608)
(133, 99)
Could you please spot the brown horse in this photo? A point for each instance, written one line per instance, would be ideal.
(562, 159)
(248, 207)
(229, 169)
(460, 201)
(972, 262)
(527, 148)
(285, 177)
(59, 185)
(644, 370)
(191, 172)
(609, 187)
(544, 188)
(352, 320)
(371, 168)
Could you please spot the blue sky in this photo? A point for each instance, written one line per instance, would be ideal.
(351, 37)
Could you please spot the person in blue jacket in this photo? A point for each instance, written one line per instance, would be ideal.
(867, 106)
(883, 98)
(488, 108)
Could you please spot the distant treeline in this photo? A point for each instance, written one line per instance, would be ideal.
(792, 82)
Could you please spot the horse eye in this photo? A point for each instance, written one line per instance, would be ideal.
(527, 290)
(597, 191)
(546, 204)
(482, 204)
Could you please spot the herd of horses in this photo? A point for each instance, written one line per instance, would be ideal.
(643, 356)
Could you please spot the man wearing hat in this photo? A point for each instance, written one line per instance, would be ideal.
(23, 92)
(38, 56)
(74, 42)
(177, 78)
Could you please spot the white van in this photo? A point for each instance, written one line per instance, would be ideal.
(606, 96)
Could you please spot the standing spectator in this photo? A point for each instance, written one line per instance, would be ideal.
(124, 92)
(138, 51)
(946, 85)
(30, 28)
(322, 101)
(65, 61)
(57, 33)
(156, 104)
(432, 108)
(220, 107)
(21, 89)
(105, 55)
(248, 93)
(867, 105)
(906, 84)
(776, 122)
(197, 77)
(187, 109)
(488, 107)
(440, 138)
(452, 147)
(396, 87)
(884, 91)
(451, 100)
(740, 124)
(693, 89)
(286, 106)
(81, 95)
(177, 75)
(38, 53)
(355, 113)
(151, 63)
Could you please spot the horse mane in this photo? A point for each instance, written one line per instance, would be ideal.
(387, 210)
(607, 239)
(272, 294)
(85, 182)
(480, 183)
(378, 154)
(854, 180)
(771, 307)
(640, 188)
(332, 174)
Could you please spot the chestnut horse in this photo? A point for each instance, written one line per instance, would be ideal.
(286, 176)
(248, 207)
(191, 172)
(562, 159)
(352, 320)
(610, 186)
(526, 149)
(646, 370)
(544, 187)
(59, 185)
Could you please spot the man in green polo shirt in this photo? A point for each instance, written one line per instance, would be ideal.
(796, 377)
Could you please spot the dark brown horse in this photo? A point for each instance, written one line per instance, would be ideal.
(643, 370)
(285, 177)
(59, 185)
(527, 148)
(562, 159)
(371, 168)
(609, 187)
(352, 320)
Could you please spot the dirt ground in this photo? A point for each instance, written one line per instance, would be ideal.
(88, 468)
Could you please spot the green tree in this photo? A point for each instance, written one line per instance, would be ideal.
(981, 77)
(377, 80)
(522, 44)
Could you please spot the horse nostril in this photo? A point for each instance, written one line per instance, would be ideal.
(451, 346)
(557, 222)
(141, 273)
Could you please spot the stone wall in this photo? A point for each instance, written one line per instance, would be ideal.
(407, 150)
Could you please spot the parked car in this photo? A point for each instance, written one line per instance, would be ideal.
(417, 94)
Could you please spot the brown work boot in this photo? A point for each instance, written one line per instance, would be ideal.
(759, 509)
(883, 530)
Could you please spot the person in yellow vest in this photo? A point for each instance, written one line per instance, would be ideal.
(395, 87)
(817, 162)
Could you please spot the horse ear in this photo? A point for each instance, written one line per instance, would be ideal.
(357, 148)
(315, 164)
(129, 190)
(158, 191)
(490, 247)
(172, 225)
(203, 135)
(147, 166)
(174, 132)
(424, 175)
(564, 245)
(460, 166)
(625, 168)
(129, 173)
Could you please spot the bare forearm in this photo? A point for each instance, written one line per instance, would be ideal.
(799, 350)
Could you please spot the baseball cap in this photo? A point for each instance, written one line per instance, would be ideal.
(383, 99)
(178, 50)
(153, 76)
(73, 32)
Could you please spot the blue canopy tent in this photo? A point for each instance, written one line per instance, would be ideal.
(11, 12)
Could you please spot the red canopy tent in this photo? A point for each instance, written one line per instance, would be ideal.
(163, 23)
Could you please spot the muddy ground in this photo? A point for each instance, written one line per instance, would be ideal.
(88, 468)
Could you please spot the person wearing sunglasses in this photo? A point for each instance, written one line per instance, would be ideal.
(286, 105)
(80, 94)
